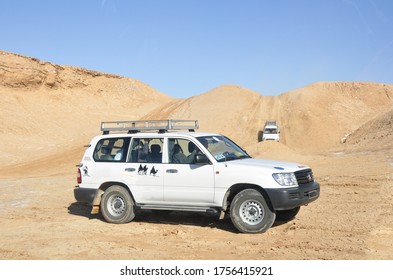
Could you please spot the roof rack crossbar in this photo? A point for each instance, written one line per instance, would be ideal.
(149, 125)
(271, 122)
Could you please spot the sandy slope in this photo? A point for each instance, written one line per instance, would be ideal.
(48, 108)
(48, 112)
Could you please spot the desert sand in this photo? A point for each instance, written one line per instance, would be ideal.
(343, 130)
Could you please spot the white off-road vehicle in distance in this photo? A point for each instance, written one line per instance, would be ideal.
(271, 131)
(167, 165)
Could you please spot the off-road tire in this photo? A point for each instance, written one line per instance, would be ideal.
(287, 215)
(250, 212)
(260, 136)
(117, 205)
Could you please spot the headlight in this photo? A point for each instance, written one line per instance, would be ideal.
(285, 179)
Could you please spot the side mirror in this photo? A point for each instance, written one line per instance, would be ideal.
(201, 159)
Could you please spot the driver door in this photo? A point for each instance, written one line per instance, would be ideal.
(186, 182)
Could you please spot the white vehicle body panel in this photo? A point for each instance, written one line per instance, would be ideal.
(190, 184)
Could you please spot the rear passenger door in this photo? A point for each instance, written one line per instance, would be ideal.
(143, 170)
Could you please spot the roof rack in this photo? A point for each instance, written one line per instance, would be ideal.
(271, 123)
(149, 125)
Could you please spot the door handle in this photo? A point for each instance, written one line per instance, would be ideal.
(171, 171)
(129, 169)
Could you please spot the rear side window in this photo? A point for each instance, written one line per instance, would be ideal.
(146, 150)
(111, 149)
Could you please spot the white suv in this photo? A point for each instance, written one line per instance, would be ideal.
(166, 165)
(270, 131)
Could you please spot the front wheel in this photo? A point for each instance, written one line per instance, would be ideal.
(117, 205)
(250, 212)
(260, 136)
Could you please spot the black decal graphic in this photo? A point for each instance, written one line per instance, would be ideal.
(85, 171)
(142, 170)
(153, 171)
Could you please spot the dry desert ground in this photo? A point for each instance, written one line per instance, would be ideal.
(343, 130)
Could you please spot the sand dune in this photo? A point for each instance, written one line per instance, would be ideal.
(318, 116)
(313, 118)
(63, 104)
(48, 107)
(376, 134)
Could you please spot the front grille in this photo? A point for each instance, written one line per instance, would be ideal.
(304, 177)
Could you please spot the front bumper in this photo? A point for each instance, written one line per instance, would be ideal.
(289, 198)
(86, 195)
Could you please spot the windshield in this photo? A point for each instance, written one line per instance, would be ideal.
(222, 148)
(270, 131)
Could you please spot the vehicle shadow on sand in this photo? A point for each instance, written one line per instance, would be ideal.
(198, 219)
(210, 220)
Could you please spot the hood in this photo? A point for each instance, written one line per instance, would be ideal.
(278, 166)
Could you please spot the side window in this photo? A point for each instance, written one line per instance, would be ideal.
(181, 151)
(146, 150)
(111, 149)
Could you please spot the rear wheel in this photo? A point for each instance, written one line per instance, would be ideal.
(250, 212)
(117, 205)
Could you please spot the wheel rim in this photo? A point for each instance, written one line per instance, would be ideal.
(116, 205)
(251, 212)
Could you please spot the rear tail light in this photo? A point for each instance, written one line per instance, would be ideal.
(79, 177)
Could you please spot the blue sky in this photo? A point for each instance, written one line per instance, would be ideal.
(187, 47)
